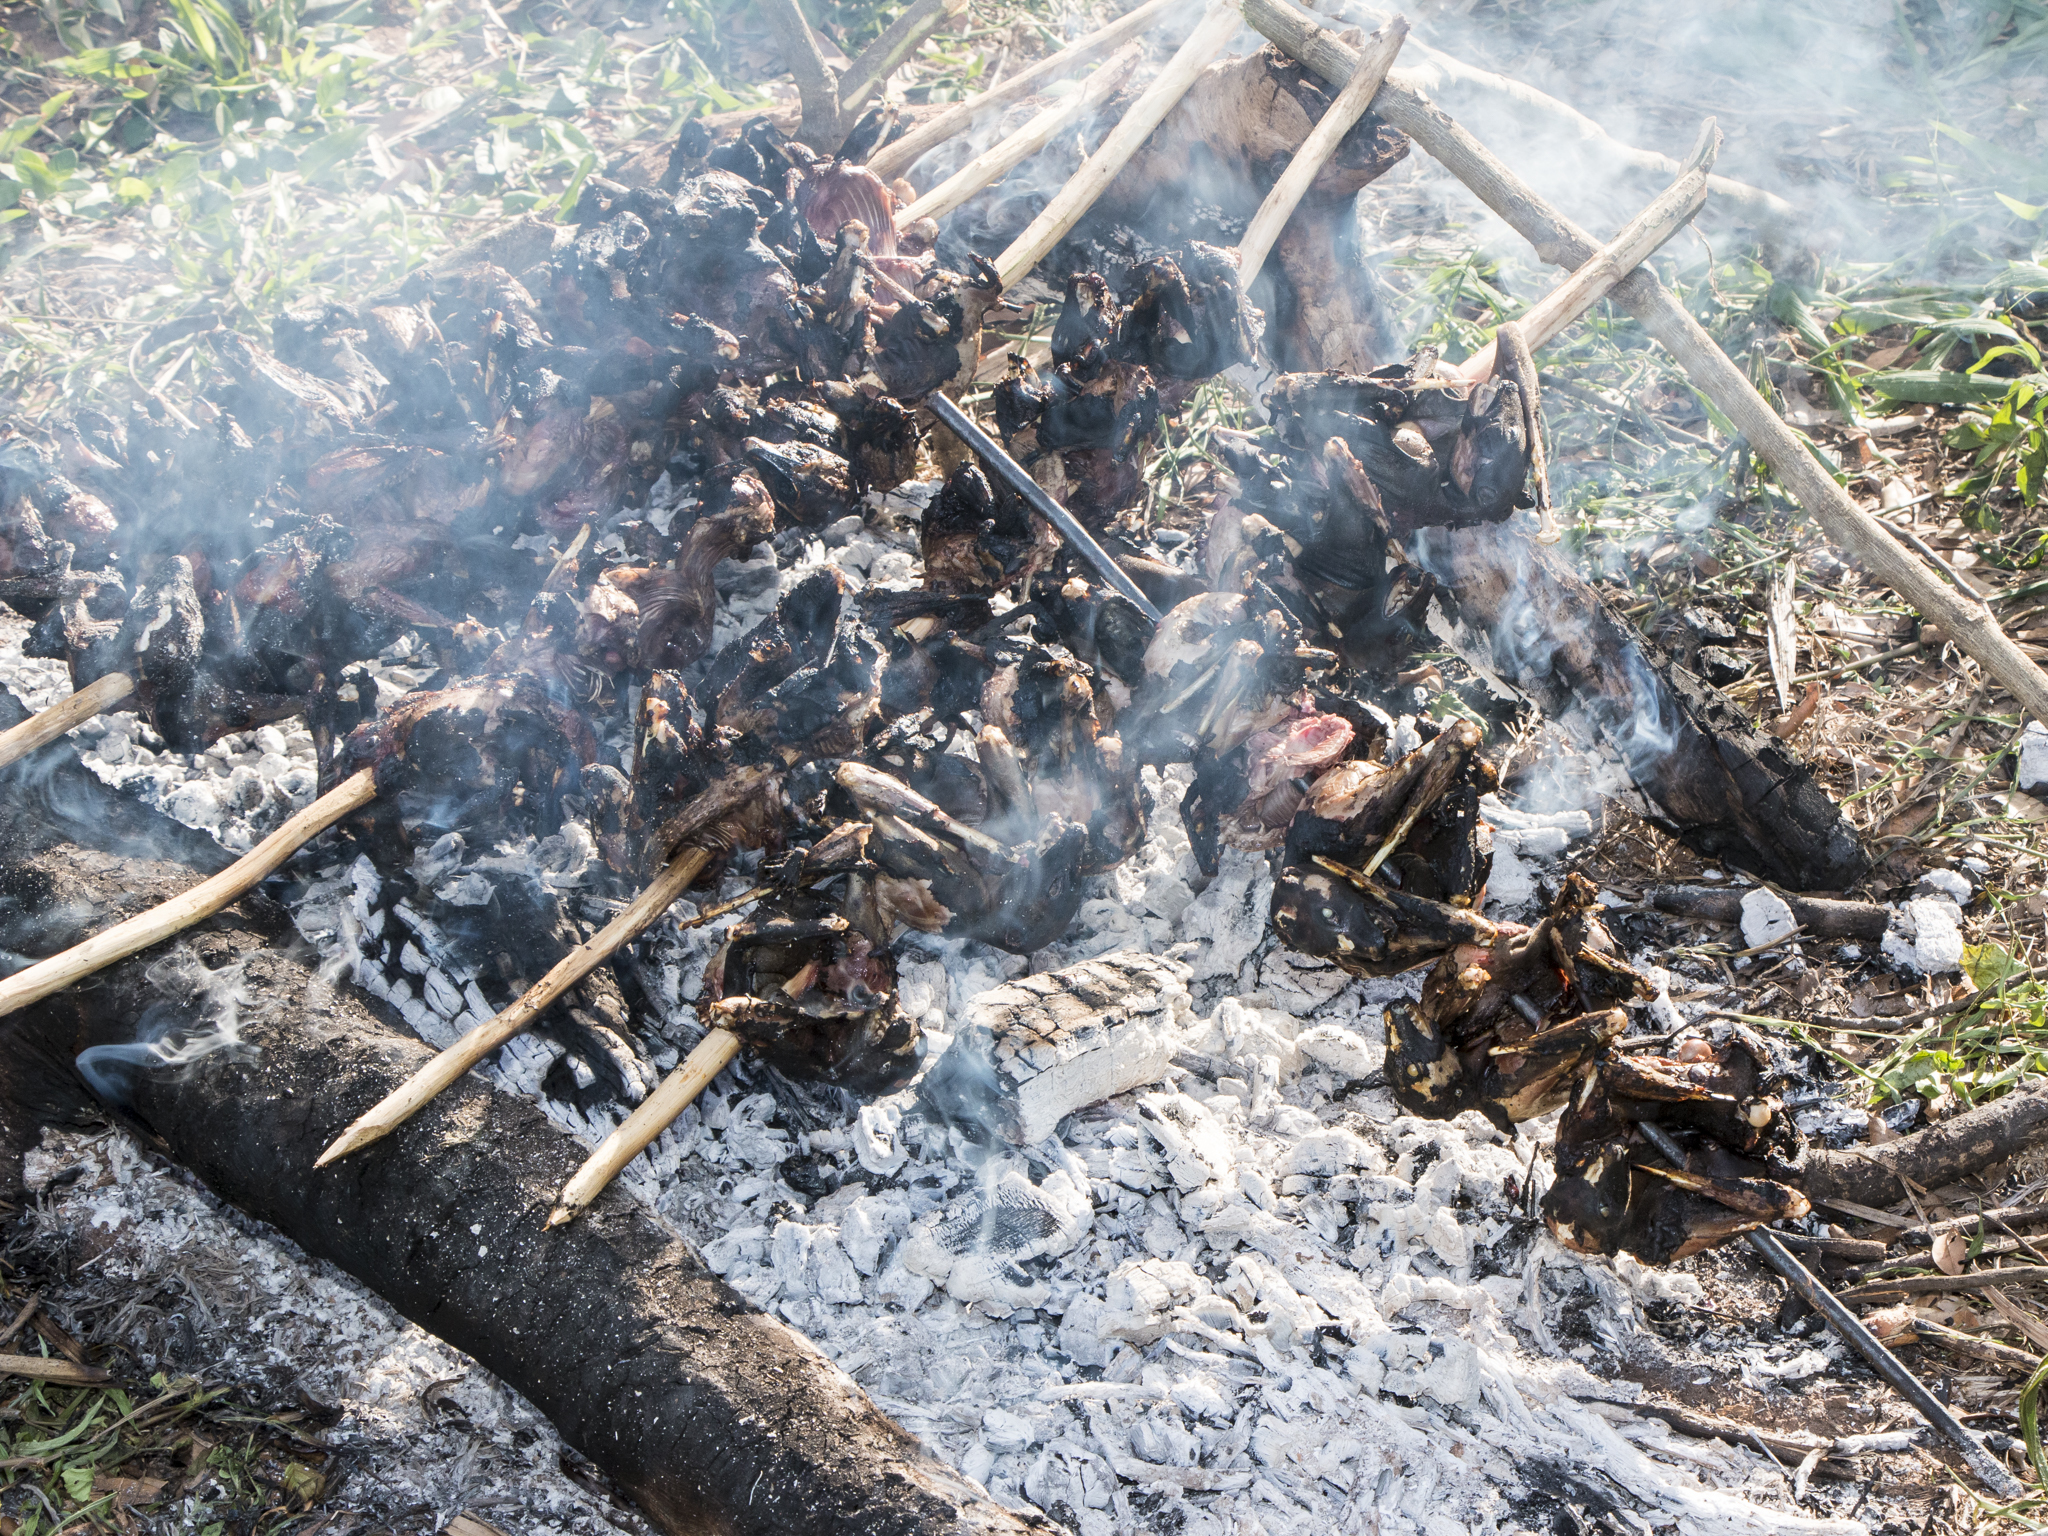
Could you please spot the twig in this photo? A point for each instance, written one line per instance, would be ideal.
(1638, 240)
(1099, 169)
(1322, 141)
(417, 1091)
(878, 61)
(181, 912)
(1557, 239)
(44, 1369)
(46, 725)
(1867, 1344)
(999, 160)
(1911, 648)
(892, 160)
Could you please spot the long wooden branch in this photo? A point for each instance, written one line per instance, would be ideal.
(824, 124)
(1099, 169)
(996, 162)
(1639, 239)
(1563, 243)
(1431, 69)
(878, 61)
(46, 725)
(892, 160)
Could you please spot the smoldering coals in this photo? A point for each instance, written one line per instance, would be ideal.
(200, 1017)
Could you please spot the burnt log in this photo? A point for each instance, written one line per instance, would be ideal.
(1822, 918)
(711, 1415)
(1938, 1155)
(1717, 784)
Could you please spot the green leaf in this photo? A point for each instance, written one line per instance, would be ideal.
(1935, 386)
(78, 1483)
(1988, 964)
(335, 149)
(2020, 209)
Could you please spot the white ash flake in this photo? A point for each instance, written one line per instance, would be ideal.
(1200, 1307)
(249, 1308)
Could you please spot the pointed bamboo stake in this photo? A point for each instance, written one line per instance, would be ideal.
(892, 160)
(411, 1096)
(656, 1112)
(1100, 169)
(993, 164)
(1374, 61)
(202, 901)
(46, 725)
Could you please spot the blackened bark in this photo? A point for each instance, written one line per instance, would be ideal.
(1940, 1154)
(1726, 790)
(1821, 918)
(714, 1417)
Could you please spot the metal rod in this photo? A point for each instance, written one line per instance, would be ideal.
(1888, 1365)
(1019, 480)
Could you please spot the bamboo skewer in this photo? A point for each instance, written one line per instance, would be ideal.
(1100, 169)
(202, 901)
(406, 1100)
(1639, 239)
(1374, 60)
(656, 1112)
(892, 160)
(993, 164)
(46, 725)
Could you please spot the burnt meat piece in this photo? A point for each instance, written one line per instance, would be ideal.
(807, 679)
(981, 539)
(935, 335)
(810, 486)
(814, 993)
(1186, 318)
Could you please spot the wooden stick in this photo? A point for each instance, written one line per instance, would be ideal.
(1431, 69)
(202, 901)
(46, 725)
(1316, 149)
(824, 125)
(411, 1096)
(53, 1370)
(1643, 235)
(993, 164)
(879, 60)
(892, 160)
(1557, 239)
(1099, 169)
(655, 1114)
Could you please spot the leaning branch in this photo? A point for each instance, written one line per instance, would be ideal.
(824, 124)
(878, 61)
(892, 160)
(1559, 240)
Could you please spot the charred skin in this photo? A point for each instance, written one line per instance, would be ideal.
(1369, 931)
(1615, 1193)
(813, 994)
(810, 486)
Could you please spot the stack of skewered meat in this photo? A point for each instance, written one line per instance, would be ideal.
(538, 472)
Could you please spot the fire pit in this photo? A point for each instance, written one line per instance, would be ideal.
(1051, 963)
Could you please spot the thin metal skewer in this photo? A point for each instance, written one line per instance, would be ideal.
(1019, 480)
(1862, 1340)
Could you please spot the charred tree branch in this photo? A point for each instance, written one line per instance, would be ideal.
(1938, 1155)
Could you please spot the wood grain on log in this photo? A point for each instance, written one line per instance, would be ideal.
(712, 1416)
(1821, 918)
(1940, 1154)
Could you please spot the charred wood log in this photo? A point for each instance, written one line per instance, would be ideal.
(1930, 1158)
(710, 1414)
(1725, 789)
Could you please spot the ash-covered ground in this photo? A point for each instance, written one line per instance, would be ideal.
(1261, 1300)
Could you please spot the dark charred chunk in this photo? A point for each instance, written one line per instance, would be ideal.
(810, 486)
(978, 538)
(1185, 319)
(811, 992)
(491, 756)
